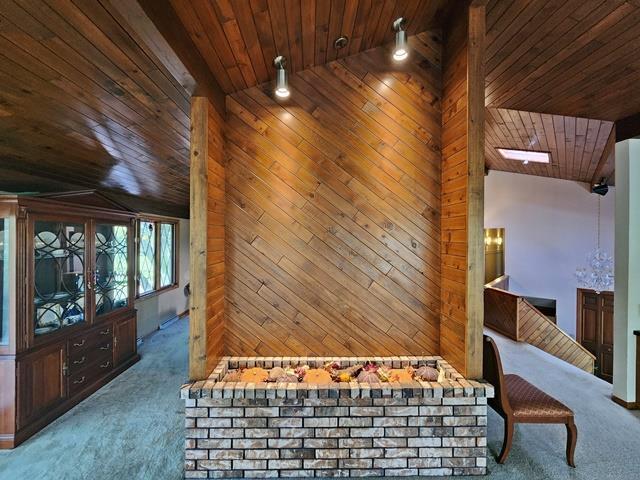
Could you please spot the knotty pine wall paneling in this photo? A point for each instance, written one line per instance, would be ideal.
(333, 209)
(462, 192)
(207, 178)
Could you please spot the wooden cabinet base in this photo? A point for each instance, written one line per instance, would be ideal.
(12, 441)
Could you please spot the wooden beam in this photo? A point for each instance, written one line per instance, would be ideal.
(628, 127)
(475, 189)
(199, 153)
(606, 164)
(156, 23)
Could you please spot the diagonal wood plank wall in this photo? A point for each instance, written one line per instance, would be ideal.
(333, 210)
(462, 191)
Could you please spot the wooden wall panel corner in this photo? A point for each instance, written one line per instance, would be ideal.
(463, 191)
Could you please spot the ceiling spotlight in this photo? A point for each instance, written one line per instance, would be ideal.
(400, 52)
(282, 83)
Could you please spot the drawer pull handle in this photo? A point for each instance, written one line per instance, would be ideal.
(105, 365)
(80, 362)
(105, 332)
(105, 347)
(81, 343)
(80, 380)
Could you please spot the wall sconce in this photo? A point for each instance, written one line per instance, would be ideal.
(400, 52)
(282, 83)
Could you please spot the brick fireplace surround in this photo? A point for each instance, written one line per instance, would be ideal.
(265, 430)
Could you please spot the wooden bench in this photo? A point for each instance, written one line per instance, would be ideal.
(518, 401)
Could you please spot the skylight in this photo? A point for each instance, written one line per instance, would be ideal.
(525, 156)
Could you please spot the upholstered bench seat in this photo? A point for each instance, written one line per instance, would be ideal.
(527, 400)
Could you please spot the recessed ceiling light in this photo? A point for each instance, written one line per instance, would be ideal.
(524, 156)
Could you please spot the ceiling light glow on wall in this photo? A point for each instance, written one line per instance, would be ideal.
(400, 52)
(282, 82)
(524, 156)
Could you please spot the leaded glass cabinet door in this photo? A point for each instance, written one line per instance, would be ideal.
(59, 274)
(111, 273)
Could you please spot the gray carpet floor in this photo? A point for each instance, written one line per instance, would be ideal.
(132, 428)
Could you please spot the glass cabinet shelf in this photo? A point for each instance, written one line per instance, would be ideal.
(59, 275)
(111, 275)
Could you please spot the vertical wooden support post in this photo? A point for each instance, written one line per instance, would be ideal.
(198, 193)
(462, 252)
(475, 189)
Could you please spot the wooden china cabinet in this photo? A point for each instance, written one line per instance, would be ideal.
(67, 319)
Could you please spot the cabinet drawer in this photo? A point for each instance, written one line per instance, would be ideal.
(90, 339)
(88, 356)
(92, 372)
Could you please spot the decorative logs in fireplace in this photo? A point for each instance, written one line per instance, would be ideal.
(244, 429)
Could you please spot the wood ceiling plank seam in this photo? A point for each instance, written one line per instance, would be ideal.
(510, 19)
(348, 24)
(308, 19)
(494, 12)
(526, 40)
(605, 166)
(576, 73)
(547, 123)
(600, 152)
(294, 33)
(323, 15)
(335, 28)
(262, 21)
(191, 23)
(46, 90)
(87, 32)
(227, 19)
(175, 82)
(37, 72)
(114, 27)
(570, 134)
(279, 28)
(356, 40)
(593, 147)
(558, 128)
(508, 36)
(413, 20)
(606, 82)
(241, 12)
(371, 23)
(548, 43)
(580, 35)
(383, 28)
(525, 63)
(581, 141)
(214, 33)
(534, 141)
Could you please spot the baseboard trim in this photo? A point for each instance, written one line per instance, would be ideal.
(627, 405)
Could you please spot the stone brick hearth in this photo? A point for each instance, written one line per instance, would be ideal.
(262, 430)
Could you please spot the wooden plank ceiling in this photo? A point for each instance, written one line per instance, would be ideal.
(580, 148)
(565, 57)
(82, 104)
(240, 38)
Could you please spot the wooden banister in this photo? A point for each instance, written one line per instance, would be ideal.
(514, 317)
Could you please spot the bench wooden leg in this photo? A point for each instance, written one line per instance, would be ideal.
(572, 438)
(508, 438)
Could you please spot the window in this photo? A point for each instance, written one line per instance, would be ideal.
(156, 256)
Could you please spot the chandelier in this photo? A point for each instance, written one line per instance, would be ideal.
(598, 273)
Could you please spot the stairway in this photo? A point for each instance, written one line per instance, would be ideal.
(514, 317)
